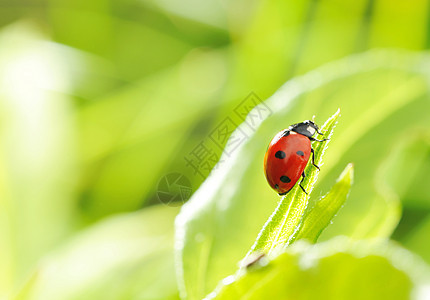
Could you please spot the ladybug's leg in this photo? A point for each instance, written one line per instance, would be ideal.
(319, 131)
(314, 139)
(303, 178)
(313, 159)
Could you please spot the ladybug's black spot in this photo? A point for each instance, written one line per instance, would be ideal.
(280, 154)
(300, 153)
(276, 186)
(285, 179)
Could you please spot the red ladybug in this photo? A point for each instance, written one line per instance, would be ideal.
(288, 155)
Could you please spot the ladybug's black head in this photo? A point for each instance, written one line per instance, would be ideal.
(306, 128)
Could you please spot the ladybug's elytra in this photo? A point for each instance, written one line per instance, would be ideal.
(288, 155)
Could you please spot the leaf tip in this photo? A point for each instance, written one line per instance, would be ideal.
(348, 172)
(336, 114)
(331, 120)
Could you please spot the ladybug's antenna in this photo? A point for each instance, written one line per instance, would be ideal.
(316, 127)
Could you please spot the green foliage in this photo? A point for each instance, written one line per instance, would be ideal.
(337, 269)
(117, 258)
(319, 217)
(287, 220)
(100, 99)
(219, 224)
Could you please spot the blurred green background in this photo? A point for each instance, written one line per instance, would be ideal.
(100, 100)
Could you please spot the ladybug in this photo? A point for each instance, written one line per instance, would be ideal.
(288, 155)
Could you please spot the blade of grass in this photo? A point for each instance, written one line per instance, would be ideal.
(287, 218)
(326, 208)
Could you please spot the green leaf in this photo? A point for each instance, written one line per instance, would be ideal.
(337, 269)
(288, 216)
(120, 135)
(128, 256)
(37, 165)
(326, 208)
(380, 92)
(417, 240)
